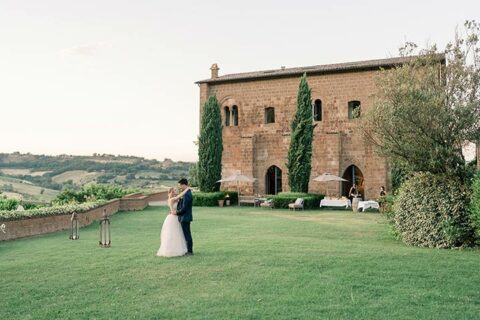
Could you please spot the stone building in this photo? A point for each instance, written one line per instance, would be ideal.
(257, 108)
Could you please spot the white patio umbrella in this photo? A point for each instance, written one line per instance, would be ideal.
(326, 177)
(237, 178)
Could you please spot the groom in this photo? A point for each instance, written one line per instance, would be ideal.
(184, 213)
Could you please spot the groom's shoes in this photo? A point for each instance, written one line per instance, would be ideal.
(189, 254)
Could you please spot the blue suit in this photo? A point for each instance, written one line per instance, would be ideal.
(184, 212)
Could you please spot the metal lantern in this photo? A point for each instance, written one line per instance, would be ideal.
(74, 227)
(105, 231)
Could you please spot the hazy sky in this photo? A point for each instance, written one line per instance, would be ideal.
(117, 77)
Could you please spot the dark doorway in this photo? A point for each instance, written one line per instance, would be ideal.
(273, 180)
(353, 175)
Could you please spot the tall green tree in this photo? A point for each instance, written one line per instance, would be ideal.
(210, 146)
(427, 109)
(193, 175)
(300, 151)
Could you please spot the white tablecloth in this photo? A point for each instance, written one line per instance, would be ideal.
(364, 205)
(335, 203)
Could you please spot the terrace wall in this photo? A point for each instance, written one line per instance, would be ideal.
(31, 227)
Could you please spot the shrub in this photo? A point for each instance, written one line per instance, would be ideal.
(432, 211)
(386, 206)
(311, 200)
(91, 193)
(49, 211)
(8, 204)
(210, 199)
(475, 205)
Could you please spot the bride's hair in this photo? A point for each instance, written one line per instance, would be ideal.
(171, 191)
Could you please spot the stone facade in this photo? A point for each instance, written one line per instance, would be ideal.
(253, 146)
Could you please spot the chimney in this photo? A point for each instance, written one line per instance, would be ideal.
(214, 68)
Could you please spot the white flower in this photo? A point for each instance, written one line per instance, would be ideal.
(2, 227)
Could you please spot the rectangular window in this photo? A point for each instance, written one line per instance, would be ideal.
(270, 115)
(353, 109)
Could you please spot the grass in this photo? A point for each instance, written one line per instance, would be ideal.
(78, 177)
(249, 264)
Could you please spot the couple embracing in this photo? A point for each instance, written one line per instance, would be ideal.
(176, 238)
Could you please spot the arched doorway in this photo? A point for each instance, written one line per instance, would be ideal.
(273, 180)
(354, 175)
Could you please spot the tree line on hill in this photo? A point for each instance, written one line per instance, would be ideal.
(110, 167)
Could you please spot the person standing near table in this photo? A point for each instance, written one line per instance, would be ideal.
(383, 193)
(353, 192)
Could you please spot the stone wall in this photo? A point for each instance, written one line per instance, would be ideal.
(253, 146)
(30, 227)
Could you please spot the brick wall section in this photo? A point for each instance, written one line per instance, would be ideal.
(133, 204)
(158, 196)
(30, 227)
(253, 146)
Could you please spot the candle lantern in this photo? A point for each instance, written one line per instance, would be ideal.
(105, 231)
(74, 227)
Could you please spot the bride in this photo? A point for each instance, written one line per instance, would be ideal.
(172, 240)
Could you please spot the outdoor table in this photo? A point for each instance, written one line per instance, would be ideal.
(335, 203)
(364, 205)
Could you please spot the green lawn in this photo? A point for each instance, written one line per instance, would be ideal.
(248, 264)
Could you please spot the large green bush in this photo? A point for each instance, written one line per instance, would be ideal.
(475, 204)
(8, 204)
(91, 193)
(432, 211)
(210, 199)
(311, 200)
(49, 211)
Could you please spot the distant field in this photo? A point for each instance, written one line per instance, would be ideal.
(12, 195)
(79, 177)
(148, 174)
(29, 191)
(23, 172)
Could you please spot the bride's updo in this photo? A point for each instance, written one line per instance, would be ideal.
(171, 192)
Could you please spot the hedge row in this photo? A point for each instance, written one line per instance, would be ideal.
(49, 211)
(12, 204)
(210, 199)
(311, 200)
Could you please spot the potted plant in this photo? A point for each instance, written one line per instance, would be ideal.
(221, 202)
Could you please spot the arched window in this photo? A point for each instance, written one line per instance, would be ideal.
(354, 109)
(235, 115)
(269, 115)
(227, 116)
(317, 110)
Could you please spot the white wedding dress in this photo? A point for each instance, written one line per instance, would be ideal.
(172, 240)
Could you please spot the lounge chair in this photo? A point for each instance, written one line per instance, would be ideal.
(298, 204)
(267, 204)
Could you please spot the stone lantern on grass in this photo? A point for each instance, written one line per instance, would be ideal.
(105, 230)
(74, 227)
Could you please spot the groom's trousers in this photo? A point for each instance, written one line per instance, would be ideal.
(188, 235)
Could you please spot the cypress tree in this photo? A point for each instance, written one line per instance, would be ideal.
(300, 151)
(210, 146)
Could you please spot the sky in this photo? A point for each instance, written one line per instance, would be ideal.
(117, 77)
